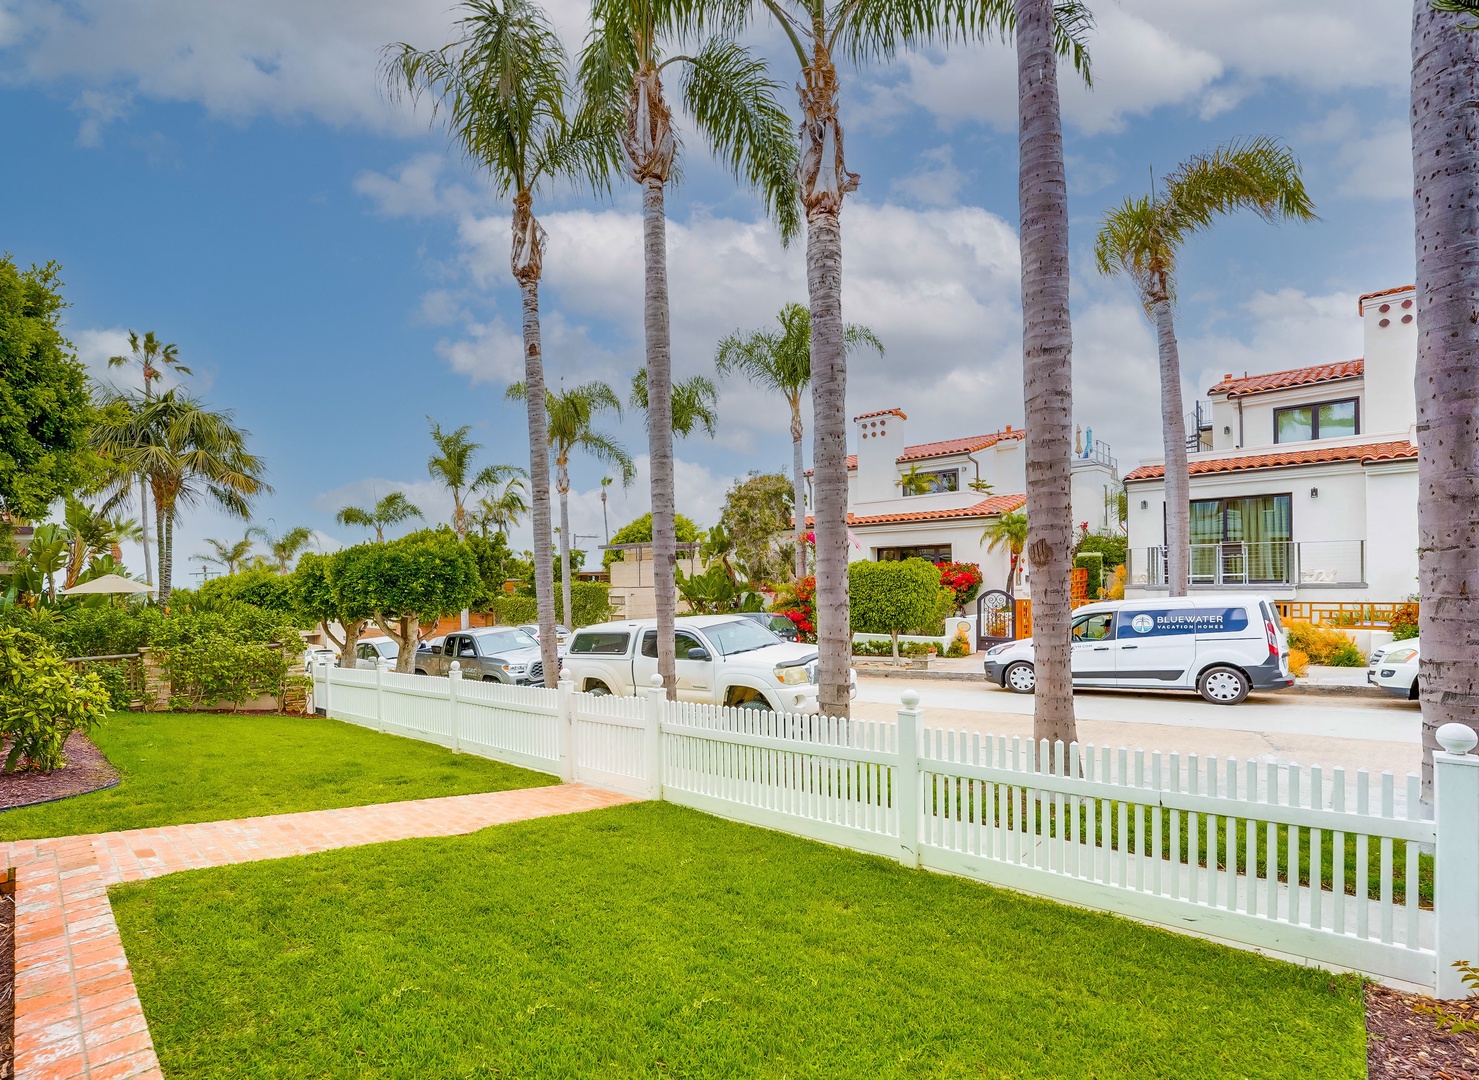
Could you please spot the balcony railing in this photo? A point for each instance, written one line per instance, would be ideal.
(1285, 563)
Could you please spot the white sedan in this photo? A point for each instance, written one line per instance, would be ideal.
(1395, 669)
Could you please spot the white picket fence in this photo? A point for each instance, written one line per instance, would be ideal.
(1298, 862)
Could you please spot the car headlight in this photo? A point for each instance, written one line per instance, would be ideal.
(998, 649)
(790, 676)
(1399, 656)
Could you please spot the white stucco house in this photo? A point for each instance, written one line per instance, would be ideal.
(972, 481)
(1304, 483)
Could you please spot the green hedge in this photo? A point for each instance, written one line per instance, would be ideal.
(590, 599)
(205, 672)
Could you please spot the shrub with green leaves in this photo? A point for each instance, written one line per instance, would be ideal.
(209, 670)
(259, 587)
(512, 610)
(42, 701)
(897, 597)
(1329, 648)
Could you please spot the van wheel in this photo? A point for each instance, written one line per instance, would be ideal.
(1020, 677)
(1223, 685)
(598, 689)
(1412, 695)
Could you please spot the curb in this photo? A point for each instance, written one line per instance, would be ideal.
(1300, 689)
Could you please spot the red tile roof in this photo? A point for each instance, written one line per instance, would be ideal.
(882, 412)
(1362, 452)
(967, 445)
(1280, 380)
(1361, 301)
(996, 504)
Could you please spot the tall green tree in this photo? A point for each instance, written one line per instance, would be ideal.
(1445, 161)
(386, 513)
(187, 453)
(503, 511)
(45, 409)
(571, 427)
(756, 516)
(286, 547)
(1047, 353)
(695, 404)
(452, 465)
(860, 32)
(227, 555)
(1009, 531)
(1142, 239)
(501, 88)
(153, 358)
(726, 91)
(781, 361)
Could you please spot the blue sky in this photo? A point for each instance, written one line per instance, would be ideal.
(230, 177)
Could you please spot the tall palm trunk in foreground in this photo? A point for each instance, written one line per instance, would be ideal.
(1445, 158)
(1047, 365)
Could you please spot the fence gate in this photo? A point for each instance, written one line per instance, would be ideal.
(996, 618)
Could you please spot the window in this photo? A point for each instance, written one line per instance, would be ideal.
(504, 641)
(604, 644)
(1327, 420)
(934, 482)
(682, 642)
(742, 635)
(1094, 627)
(1241, 539)
(934, 553)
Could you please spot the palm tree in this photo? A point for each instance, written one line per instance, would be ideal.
(858, 30)
(571, 413)
(1445, 156)
(695, 403)
(1008, 531)
(391, 510)
(186, 452)
(89, 532)
(781, 361)
(452, 465)
(725, 89)
(502, 86)
(227, 555)
(503, 511)
(153, 358)
(285, 548)
(1047, 354)
(605, 522)
(1141, 239)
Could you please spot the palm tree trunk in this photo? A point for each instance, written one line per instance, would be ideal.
(564, 486)
(1178, 480)
(1445, 157)
(526, 260)
(1047, 365)
(166, 555)
(660, 429)
(144, 529)
(798, 466)
(829, 460)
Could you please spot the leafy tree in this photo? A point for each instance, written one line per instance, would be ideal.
(265, 589)
(188, 453)
(153, 358)
(1142, 238)
(714, 592)
(422, 576)
(640, 532)
(892, 597)
(389, 511)
(337, 588)
(228, 556)
(756, 514)
(572, 414)
(726, 92)
(452, 465)
(496, 563)
(45, 411)
(501, 85)
(1008, 531)
(90, 534)
(284, 548)
(42, 701)
(781, 362)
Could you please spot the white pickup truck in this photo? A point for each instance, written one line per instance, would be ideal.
(722, 660)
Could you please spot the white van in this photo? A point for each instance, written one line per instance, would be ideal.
(1221, 646)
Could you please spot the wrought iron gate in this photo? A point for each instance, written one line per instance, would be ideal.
(996, 618)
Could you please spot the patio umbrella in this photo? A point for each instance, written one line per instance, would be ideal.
(108, 585)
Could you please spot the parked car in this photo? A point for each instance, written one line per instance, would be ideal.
(368, 651)
(778, 625)
(562, 635)
(1221, 646)
(503, 654)
(316, 654)
(722, 660)
(1394, 668)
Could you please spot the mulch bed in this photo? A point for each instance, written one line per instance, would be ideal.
(86, 770)
(1404, 1044)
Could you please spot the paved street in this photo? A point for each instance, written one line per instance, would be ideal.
(1354, 732)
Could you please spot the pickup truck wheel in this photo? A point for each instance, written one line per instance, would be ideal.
(1020, 677)
(1412, 695)
(754, 706)
(598, 689)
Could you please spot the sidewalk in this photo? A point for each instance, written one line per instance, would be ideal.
(77, 1013)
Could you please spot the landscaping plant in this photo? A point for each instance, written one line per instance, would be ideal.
(894, 597)
(962, 578)
(1328, 648)
(42, 701)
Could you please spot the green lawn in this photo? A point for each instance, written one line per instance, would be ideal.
(653, 941)
(181, 767)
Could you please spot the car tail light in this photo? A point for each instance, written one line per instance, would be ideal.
(1273, 638)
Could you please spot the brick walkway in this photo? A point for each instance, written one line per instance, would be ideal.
(77, 1013)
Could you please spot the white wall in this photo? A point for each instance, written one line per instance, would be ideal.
(1391, 530)
(879, 441)
(1391, 363)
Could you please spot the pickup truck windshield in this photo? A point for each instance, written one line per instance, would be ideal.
(507, 641)
(740, 636)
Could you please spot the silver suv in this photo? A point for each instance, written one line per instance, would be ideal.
(503, 654)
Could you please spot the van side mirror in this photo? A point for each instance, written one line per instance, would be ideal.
(697, 653)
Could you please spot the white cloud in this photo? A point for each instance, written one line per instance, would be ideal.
(937, 182)
(96, 346)
(1372, 161)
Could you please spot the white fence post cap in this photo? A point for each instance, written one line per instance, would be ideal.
(910, 698)
(454, 668)
(655, 681)
(1457, 739)
(564, 674)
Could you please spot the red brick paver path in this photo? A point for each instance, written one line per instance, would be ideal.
(77, 1013)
